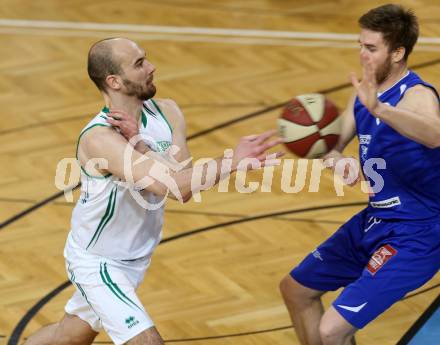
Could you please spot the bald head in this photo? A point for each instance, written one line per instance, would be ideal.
(103, 61)
(119, 65)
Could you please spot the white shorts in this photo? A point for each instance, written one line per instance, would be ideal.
(105, 295)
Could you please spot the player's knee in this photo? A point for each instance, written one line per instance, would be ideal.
(284, 286)
(331, 334)
(293, 291)
(328, 333)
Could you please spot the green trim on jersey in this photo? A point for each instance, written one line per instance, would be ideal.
(106, 218)
(163, 116)
(144, 118)
(149, 111)
(77, 148)
(105, 276)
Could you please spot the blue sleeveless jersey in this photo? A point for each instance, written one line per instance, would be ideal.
(411, 179)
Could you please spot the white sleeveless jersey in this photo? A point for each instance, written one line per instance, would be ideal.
(107, 219)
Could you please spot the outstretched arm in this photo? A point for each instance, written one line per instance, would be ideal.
(348, 131)
(159, 176)
(348, 127)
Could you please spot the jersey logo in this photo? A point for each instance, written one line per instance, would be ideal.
(364, 139)
(373, 221)
(377, 119)
(317, 254)
(131, 321)
(353, 309)
(380, 258)
(163, 145)
(391, 202)
(364, 152)
(403, 88)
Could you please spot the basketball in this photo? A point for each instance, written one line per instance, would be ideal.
(310, 125)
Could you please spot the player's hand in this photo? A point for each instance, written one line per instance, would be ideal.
(256, 146)
(126, 124)
(331, 161)
(366, 88)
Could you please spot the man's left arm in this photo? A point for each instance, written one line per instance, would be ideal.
(416, 116)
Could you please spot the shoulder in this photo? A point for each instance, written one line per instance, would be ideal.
(168, 105)
(98, 136)
(172, 111)
(420, 98)
(98, 142)
(166, 102)
(420, 90)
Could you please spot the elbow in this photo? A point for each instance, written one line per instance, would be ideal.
(186, 198)
(434, 143)
(182, 197)
(432, 139)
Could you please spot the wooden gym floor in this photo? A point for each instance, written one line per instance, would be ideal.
(219, 285)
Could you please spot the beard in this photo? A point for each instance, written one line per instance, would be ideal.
(383, 71)
(139, 90)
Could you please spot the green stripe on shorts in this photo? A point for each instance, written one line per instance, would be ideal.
(115, 288)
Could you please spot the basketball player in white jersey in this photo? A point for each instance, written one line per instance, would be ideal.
(112, 235)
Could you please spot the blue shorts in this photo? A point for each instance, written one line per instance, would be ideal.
(378, 261)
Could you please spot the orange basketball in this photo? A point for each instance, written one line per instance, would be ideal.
(310, 125)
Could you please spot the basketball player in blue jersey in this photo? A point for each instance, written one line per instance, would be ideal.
(393, 246)
(113, 236)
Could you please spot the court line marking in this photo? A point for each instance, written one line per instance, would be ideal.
(193, 34)
(91, 26)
